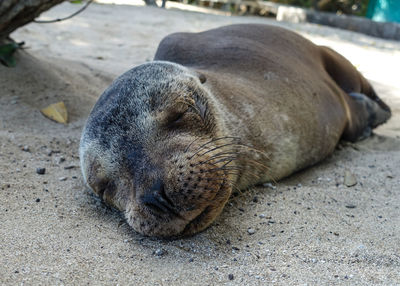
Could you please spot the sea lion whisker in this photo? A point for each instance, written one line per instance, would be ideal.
(222, 168)
(253, 149)
(190, 144)
(215, 148)
(214, 170)
(254, 162)
(230, 159)
(220, 154)
(221, 159)
(214, 140)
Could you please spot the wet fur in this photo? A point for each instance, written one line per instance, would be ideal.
(226, 108)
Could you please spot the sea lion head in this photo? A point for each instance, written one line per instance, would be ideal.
(153, 148)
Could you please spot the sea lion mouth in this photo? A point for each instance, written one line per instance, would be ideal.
(206, 217)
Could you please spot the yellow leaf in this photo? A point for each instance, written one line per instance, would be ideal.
(56, 112)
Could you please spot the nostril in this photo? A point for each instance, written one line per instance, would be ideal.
(156, 198)
(152, 202)
(99, 186)
(103, 188)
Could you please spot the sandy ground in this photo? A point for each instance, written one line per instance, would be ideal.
(309, 229)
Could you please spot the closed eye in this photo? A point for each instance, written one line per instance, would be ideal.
(176, 118)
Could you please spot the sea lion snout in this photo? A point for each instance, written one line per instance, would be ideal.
(156, 199)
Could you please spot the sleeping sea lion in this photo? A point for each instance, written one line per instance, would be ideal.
(226, 108)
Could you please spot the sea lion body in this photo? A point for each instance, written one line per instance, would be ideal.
(234, 106)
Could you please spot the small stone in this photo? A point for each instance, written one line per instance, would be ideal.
(191, 259)
(269, 185)
(255, 199)
(231, 277)
(59, 160)
(299, 185)
(251, 231)
(26, 148)
(261, 216)
(70, 167)
(37, 200)
(350, 206)
(62, 179)
(160, 252)
(41, 171)
(349, 179)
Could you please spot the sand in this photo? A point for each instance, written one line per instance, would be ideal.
(308, 229)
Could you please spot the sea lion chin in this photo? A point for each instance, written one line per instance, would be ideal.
(230, 107)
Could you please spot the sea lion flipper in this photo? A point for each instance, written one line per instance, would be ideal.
(368, 114)
(346, 76)
(367, 110)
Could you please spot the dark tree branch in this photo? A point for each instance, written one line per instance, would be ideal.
(16, 13)
(65, 18)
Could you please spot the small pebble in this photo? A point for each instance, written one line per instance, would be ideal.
(160, 252)
(59, 160)
(26, 148)
(255, 200)
(191, 259)
(41, 171)
(231, 277)
(349, 179)
(37, 200)
(70, 167)
(262, 216)
(350, 206)
(269, 185)
(62, 179)
(251, 231)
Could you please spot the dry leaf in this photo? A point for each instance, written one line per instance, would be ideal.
(56, 112)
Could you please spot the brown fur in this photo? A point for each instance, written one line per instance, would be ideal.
(230, 107)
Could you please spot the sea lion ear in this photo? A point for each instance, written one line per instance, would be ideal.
(202, 78)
